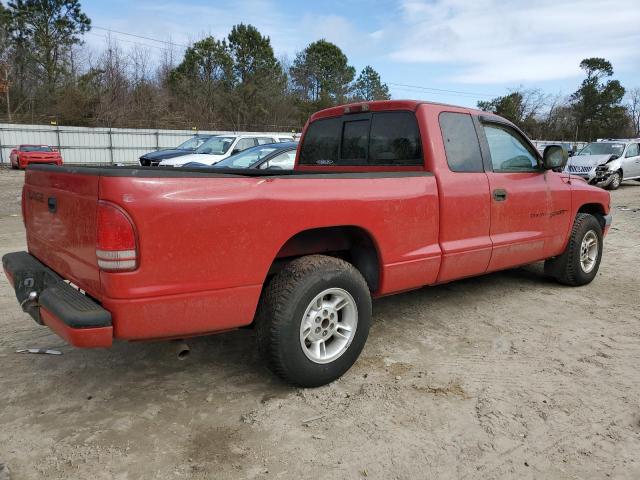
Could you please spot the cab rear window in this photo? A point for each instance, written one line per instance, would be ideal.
(380, 139)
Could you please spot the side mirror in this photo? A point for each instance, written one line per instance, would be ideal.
(554, 158)
(235, 150)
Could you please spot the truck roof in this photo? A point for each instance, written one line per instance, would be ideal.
(383, 105)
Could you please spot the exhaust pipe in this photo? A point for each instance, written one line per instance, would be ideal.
(182, 349)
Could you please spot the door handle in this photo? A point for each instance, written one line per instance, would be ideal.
(499, 194)
(52, 203)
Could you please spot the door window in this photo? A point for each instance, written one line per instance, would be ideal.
(245, 143)
(460, 142)
(265, 140)
(632, 151)
(284, 161)
(509, 152)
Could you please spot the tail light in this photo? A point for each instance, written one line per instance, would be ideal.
(116, 247)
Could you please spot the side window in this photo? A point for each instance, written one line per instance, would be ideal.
(460, 142)
(321, 142)
(632, 151)
(508, 151)
(355, 142)
(284, 161)
(245, 143)
(395, 139)
(265, 140)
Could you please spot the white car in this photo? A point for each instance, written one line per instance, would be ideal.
(607, 163)
(218, 148)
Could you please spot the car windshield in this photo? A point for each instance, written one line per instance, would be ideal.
(248, 158)
(602, 148)
(35, 148)
(216, 145)
(192, 143)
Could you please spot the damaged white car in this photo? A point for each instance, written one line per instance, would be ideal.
(607, 163)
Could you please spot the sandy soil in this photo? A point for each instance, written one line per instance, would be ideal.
(504, 376)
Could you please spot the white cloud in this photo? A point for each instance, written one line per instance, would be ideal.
(497, 41)
(290, 30)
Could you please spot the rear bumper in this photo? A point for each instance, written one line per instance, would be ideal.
(71, 314)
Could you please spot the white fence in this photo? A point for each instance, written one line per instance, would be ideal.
(577, 146)
(83, 145)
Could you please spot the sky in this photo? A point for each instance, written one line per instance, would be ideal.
(452, 51)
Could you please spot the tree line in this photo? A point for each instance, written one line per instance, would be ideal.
(234, 83)
(599, 108)
(237, 83)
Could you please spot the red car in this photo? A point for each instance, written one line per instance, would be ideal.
(384, 197)
(25, 155)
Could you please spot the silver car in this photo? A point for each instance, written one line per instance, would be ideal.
(607, 163)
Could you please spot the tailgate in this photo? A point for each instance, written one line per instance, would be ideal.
(60, 219)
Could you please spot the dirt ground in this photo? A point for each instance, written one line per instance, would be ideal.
(504, 376)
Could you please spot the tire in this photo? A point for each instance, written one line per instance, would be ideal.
(615, 181)
(290, 301)
(572, 267)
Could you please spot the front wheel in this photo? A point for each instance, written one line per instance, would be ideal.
(313, 320)
(579, 263)
(615, 181)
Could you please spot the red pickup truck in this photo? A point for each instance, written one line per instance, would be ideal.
(385, 197)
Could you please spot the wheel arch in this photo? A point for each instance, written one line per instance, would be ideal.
(596, 209)
(352, 243)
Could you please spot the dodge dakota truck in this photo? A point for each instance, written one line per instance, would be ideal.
(384, 197)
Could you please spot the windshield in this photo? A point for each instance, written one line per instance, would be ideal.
(216, 145)
(247, 158)
(192, 143)
(35, 148)
(601, 148)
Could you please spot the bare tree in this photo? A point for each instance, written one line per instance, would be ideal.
(633, 107)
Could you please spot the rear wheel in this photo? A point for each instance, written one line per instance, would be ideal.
(313, 320)
(579, 263)
(615, 181)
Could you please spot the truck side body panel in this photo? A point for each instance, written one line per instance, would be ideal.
(206, 244)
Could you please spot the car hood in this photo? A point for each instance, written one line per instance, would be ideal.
(588, 160)
(193, 157)
(168, 153)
